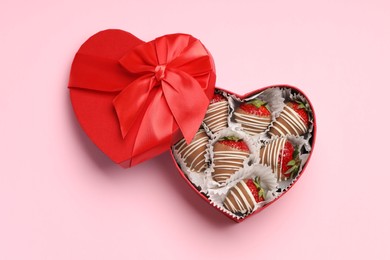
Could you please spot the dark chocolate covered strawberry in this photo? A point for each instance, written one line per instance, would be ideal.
(229, 155)
(293, 120)
(243, 197)
(216, 117)
(254, 116)
(282, 157)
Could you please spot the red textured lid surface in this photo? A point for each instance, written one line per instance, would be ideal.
(105, 89)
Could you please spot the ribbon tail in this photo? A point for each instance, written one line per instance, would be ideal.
(153, 129)
(187, 101)
(130, 102)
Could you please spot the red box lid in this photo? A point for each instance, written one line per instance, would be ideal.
(135, 99)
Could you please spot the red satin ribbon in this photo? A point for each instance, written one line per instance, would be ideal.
(162, 85)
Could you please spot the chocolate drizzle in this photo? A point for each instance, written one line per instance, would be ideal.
(194, 153)
(216, 116)
(270, 154)
(240, 199)
(252, 124)
(288, 122)
(227, 161)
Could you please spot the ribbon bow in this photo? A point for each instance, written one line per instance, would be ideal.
(171, 64)
(163, 85)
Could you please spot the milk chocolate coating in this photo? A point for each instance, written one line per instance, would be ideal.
(269, 156)
(288, 122)
(239, 199)
(216, 116)
(227, 161)
(194, 153)
(252, 124)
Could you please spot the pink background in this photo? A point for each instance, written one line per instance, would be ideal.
(61, 198)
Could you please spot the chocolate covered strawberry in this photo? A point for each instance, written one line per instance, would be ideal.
(229, 155)
(194, 154)
(283, 158)
(217, 113)
(301, 109)
(254, 116)
(293, 120)
(242, 198)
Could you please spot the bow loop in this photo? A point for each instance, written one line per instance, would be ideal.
(142, 59)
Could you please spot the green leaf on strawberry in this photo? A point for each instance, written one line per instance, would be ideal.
(291, 163)
(291, 167)
(231, 138)
(257, 103)
(256, 181)
(261, 193)
(301, 105)
(296, 153)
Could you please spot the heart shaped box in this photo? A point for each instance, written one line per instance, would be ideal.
(113, 69)
(243, 97)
